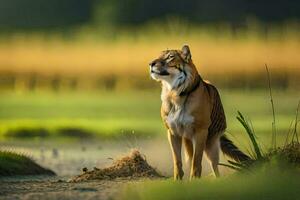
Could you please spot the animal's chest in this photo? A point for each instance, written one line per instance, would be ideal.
(179, 120)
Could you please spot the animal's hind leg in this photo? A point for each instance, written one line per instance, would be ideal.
(199, 142)
(213, 154)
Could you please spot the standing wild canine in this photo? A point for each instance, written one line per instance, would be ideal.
(192, 112)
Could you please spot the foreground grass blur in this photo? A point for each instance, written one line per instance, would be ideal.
(273, 181)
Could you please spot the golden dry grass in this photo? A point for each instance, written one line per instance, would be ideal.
(215, 52)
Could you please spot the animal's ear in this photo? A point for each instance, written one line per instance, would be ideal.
(186, 53)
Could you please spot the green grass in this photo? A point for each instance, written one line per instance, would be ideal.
(112, 114)
(104, 114)
(273, 181)
(12, 164)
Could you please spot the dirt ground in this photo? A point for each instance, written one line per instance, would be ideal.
(56, 188)
(67, 160)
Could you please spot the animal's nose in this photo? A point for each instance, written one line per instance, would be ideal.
(152, 63)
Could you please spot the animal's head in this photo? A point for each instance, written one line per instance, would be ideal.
(173, 67)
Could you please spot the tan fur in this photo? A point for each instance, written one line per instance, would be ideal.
(188, 118)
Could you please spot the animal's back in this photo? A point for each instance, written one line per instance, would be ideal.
(218, 119)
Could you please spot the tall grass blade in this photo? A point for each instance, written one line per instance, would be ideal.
(251, 135)
(295, 133)
(288, 133)
(273, 110)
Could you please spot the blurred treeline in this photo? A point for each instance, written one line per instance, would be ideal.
(65, 13)
(78, 45)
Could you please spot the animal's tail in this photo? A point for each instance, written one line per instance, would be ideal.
(229, 149)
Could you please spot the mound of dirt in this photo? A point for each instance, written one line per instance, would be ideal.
(133, 166)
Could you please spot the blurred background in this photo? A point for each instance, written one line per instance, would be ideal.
(76, 70)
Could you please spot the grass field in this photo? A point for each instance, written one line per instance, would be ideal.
(112, 115)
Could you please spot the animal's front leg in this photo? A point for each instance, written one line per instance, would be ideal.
(199, 146)
(175, 143)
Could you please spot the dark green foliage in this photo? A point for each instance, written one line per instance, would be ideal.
(27, 133)
(12, 164)
(74, 132)
(32, 14)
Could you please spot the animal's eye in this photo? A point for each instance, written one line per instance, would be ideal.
(170, 57)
